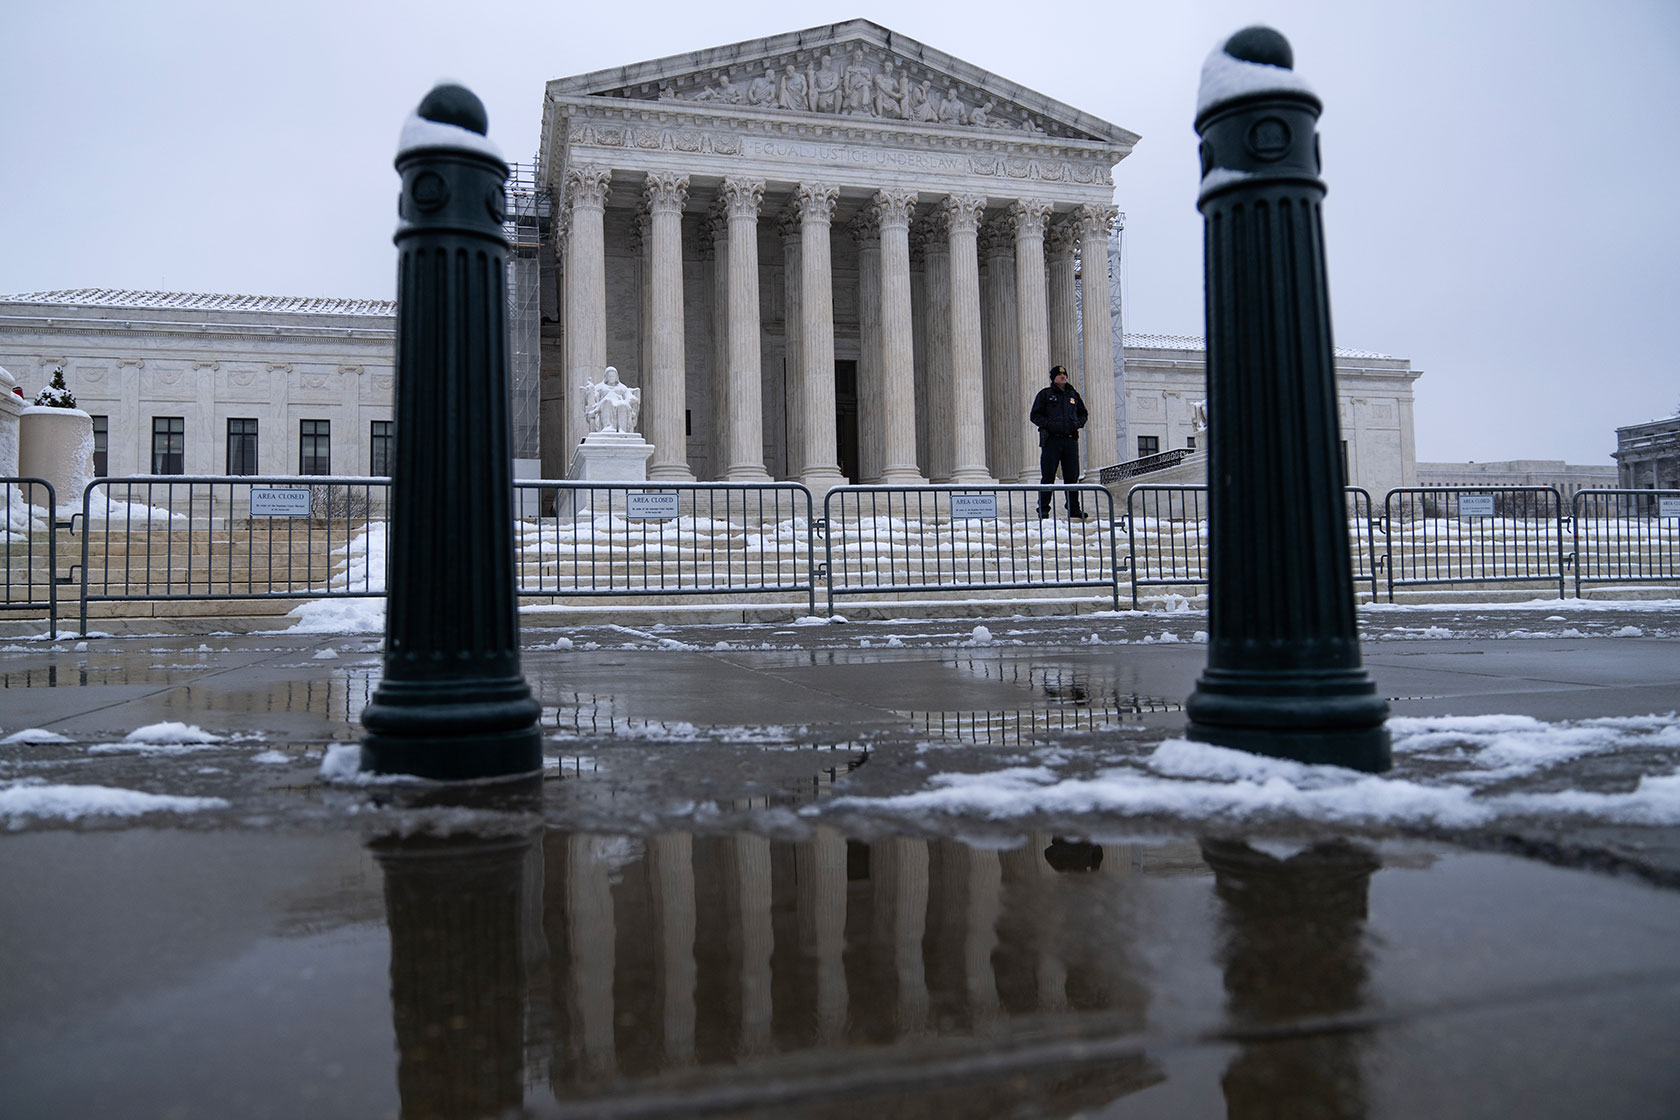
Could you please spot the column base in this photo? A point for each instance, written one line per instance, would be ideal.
(1319, 717)
(972, 476)
(902, 476)
(749, 473)
(670, 472)
(820, 482)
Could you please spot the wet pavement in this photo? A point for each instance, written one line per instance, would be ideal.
(922, 867)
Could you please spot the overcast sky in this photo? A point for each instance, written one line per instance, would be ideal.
(1502, 172)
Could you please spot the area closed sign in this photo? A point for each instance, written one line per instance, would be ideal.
(1475, 505)
(649, 507)
(973, 505)
(279, 503)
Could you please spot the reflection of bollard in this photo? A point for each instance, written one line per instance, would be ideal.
(462, 915)
(1284, 675)
(452, 703)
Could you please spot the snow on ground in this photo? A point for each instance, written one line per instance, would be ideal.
(32, 799)
(1450, 772)
(34, 735)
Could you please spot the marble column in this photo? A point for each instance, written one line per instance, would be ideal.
(671, 860)
(756, 932)
(820, 470)
(718, 238)
(592, 938)
(938, 450)
(898, 881)
(821, 869)
(586, 292)
(866, 231)
(898, 367)
(1033, 345)
(745, 458)
(1002, 353)
(793, 335)
(985, 904)
(962, 215)
(664, 389)
(1102, 431)
(1060, 241)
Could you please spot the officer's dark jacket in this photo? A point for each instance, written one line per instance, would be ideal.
(1058, 412)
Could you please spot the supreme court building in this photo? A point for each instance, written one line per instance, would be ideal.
(828, 255)
(832, 255)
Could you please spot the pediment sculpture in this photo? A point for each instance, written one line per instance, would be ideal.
(858, 83)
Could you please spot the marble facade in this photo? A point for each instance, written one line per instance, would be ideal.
(832, 254)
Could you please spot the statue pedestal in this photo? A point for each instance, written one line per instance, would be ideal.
(608, 457)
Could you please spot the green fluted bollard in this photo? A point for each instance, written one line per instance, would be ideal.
(1284, 675)
(453, 703)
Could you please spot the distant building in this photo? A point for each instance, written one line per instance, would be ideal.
(1566, 477)
(184, 383)
(1648, 455)
(1166, 378)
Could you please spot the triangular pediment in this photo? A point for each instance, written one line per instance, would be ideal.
(856, 71)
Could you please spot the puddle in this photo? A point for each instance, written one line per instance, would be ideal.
(678, 974)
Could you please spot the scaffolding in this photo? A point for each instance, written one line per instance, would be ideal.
(528, 211)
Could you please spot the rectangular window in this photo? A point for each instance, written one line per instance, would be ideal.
(1148, 445)
(379, 448)
(242, 446)
(1190, 443)
(314, 457)
(169, 445)
(101, 442)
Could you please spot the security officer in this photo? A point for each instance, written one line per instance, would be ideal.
(1059, 412)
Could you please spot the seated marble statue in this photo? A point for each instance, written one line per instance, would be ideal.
(609, 404)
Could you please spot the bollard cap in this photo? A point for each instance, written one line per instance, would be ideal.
(450, 116)
(1255, 61)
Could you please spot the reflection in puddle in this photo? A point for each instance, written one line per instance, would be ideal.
(939, 978)
(1023, 726)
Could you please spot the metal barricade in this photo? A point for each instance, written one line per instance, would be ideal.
(173, 537)
(898, 539)
(1626, 536)
(1362, 537)
(664, 538)
(1167, 536)
(27, 510)
(1473, 534)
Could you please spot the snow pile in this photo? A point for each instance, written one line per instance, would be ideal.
(32, 799)
(160, 738)
(34, 736)
(339, 616)
(1444, 768)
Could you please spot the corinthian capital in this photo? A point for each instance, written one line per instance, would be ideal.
(1096, 221)
(815, 202)
(1061, 239)
(963, 213)
(587, 186)
(997, 237)
(864, 227)
(742, 197)
(893, 207)
(1030, 215)
(665, 191)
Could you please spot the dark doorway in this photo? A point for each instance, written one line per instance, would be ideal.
(846, 418)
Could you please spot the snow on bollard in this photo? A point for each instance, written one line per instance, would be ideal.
(1284, 675)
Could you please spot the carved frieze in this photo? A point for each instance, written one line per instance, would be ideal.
(863, 81)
